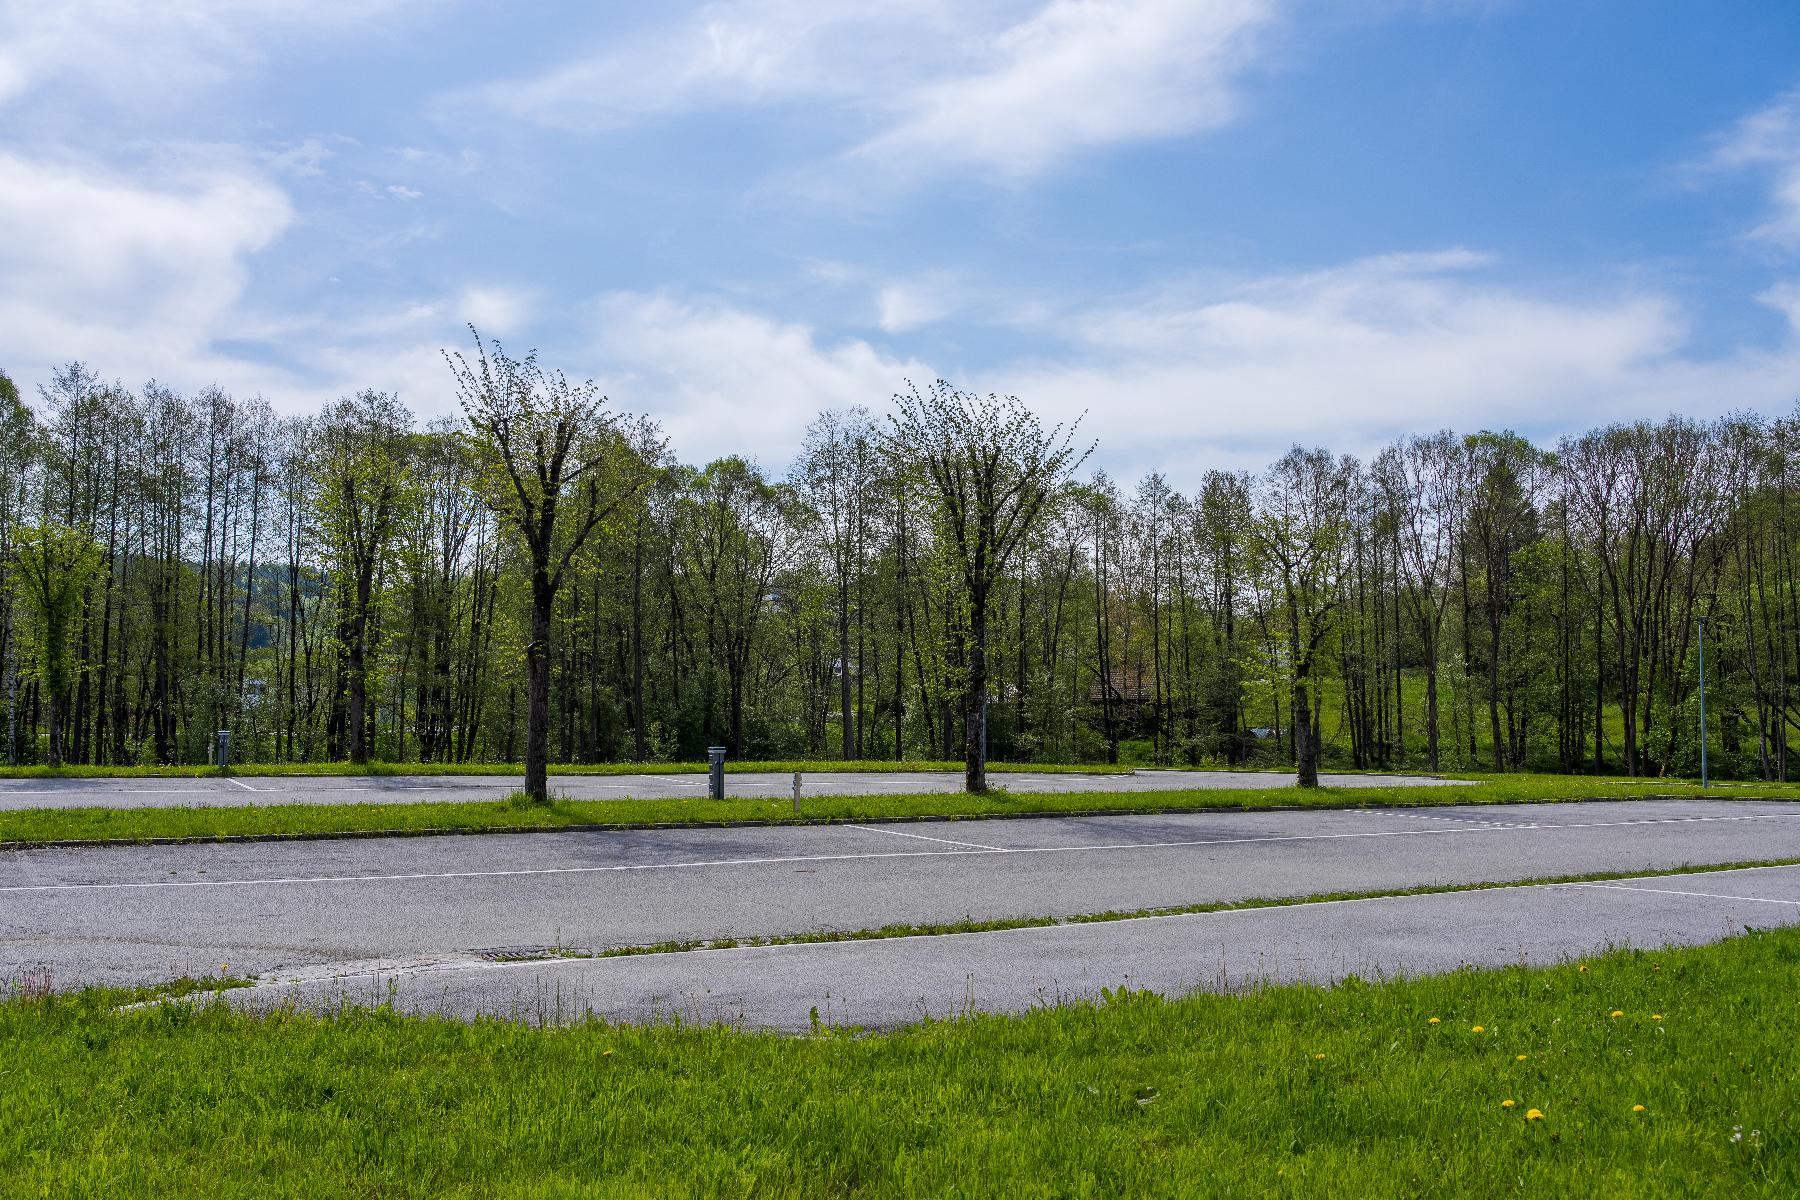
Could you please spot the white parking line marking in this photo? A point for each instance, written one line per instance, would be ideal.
(103, 792)
(1619, 887)
(923, 838)
(801, 858)
(1460, 820)
(243, 785)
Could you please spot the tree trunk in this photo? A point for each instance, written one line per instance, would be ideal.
(639, 725)
(847, 734)
(1306, 746)
(359, 687)
(975, 701)
(537, 690)
(1431, 699)
(53, 722)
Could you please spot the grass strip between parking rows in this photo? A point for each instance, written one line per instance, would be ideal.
(1002, 924)
(39, 826)
(1632, 1074)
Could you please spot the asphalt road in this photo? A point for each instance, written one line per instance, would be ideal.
(874, 984)
(427, 906)
(417, 789)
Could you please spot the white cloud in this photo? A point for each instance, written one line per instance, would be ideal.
(1769, 140)
(721, 380)
(1354, 356)
(501, 311)
(146, 51)
(148, 278)
(104, 267)
(928, 86)
(1202, 376)
(737, 52)
(909, 304)
(1079, 75)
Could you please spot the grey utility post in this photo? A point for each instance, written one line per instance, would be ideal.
(796, 791)
(224, 749)
(715, 764)
(1701, 622)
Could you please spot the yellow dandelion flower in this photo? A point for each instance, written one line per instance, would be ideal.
(1656, 1016)
(1637, 1108)
(1582, 968)
(1617, 1012)
(606, 1054)
(1477, 1029)
(1521, 1058)
(1320, 1057)
(1508, 1103)
(1532, 1114)
(1433, 1021)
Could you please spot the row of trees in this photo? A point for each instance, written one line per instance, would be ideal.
(542, 580)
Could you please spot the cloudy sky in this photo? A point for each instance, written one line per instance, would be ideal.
(1217, 226)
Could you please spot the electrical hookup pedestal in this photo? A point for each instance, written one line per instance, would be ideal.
(715, 772)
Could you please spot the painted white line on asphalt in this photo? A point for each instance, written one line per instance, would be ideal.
(801, 858)
(923, 838)
(104, 792)
(243, 785)
(1619, 887)
(1389, 812)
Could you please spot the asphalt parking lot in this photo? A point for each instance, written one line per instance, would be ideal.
(877, 984)
(427, 907)
(239, 791)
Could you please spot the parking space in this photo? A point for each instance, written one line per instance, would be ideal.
(239, 791)
(893, 982)
(142, 914)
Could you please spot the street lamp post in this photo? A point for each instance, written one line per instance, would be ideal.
(1701, 623)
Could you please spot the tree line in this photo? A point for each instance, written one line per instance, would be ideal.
(542, 580)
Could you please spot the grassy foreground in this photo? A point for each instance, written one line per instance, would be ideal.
(317, 820)
(1508, 1082)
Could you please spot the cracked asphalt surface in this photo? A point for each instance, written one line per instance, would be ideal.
(333, 917)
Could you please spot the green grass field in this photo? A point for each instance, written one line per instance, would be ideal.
(1491, 1083)
(40, 825)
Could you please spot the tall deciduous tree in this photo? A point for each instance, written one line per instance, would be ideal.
(837, 469)
(739, 533)
(1299, 531)
(1425, 481)
(993, 468)
(561, 463)
(360, 452)
(53, 565)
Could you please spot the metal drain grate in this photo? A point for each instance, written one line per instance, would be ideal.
(507, 954)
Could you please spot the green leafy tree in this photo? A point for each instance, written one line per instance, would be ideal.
(738, 533)
(559, 464)
(992, 468)
(52, 566)
(360, 461)
(1299, 533)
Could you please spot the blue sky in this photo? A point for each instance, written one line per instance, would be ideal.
(1217, 226)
